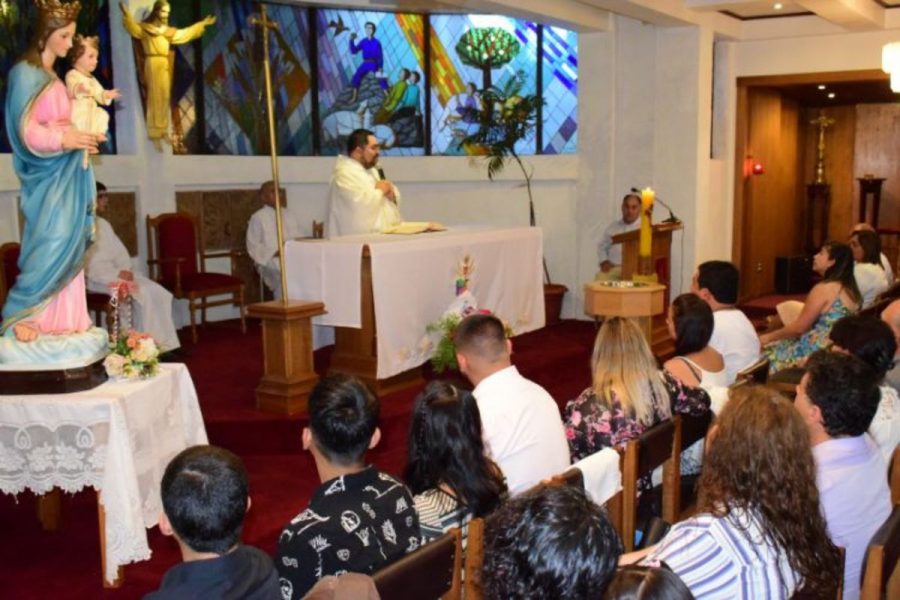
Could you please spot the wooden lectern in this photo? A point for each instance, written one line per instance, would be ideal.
(660, 252)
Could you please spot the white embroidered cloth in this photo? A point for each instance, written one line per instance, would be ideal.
(413, 283)
(117, 438)
(602, 477)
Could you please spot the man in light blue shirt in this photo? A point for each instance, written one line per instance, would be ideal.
(609, 254)
(838, 397)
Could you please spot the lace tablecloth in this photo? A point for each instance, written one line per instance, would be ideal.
(117, 438)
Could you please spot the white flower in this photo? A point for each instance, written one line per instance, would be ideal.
(114, 364)
(146, 350)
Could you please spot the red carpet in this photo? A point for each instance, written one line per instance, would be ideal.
(226, 366)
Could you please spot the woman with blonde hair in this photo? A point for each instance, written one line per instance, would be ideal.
(759, 530)
(629, 393)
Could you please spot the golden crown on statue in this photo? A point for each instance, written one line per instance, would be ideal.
(59, 10)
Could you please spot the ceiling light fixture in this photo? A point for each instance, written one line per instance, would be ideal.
(778, 6)
(821, 86)
(890, 63)
(831, 94)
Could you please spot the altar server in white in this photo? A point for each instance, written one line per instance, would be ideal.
(360, 199)
(262, 237)
(107, 261)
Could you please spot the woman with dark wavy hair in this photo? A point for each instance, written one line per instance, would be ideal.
(447, 470)
(836, 296)
(759, 530)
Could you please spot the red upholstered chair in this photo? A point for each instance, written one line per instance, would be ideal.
(9, 272)
(177, 261)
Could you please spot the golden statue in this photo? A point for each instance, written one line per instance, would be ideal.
(156, 38)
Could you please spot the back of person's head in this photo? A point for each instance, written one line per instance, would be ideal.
(624, 366)
(759, 460)
(358, 138)
(871, 246)
(101, 187)
(550, 542)
(845, 389)
(842, 269)
(646, 583)
(343, 416)
(482, 338)
(721, 278)
(445, 447)
(869, 339)
(693, 322)
(204, 497)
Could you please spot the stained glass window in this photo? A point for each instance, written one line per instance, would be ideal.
(474, 52)
(560, 79)
(370, 75)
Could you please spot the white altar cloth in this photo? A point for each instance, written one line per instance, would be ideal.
(413, 283)
(117, 438)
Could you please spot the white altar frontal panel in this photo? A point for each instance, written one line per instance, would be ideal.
(413, 283)
(117, 438)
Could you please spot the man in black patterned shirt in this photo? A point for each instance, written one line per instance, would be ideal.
(359, 519)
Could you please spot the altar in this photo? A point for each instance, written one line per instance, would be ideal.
(117, 438)
(382, 291)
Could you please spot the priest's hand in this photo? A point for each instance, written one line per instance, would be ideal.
(387, 188)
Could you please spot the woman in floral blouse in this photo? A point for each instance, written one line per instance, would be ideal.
(629, 395)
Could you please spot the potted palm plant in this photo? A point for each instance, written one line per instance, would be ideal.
(506, 117)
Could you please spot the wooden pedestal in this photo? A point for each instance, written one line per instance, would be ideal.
(618, 299)
(288, 374)
(53, 381)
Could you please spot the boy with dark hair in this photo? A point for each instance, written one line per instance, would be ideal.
(359, 519)
(734, 337)
(204, 496)
(837, 398)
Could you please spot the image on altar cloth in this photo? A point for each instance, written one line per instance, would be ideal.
(471, 53)
(17, 23)
(371, 75)
(235, 122)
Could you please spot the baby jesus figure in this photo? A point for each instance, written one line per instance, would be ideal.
(85, 91)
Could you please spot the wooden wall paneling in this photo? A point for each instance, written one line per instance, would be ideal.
(877, 152)
(739, 238)
(122, 216)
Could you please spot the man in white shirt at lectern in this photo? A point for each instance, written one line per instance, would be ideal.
(610, 254)
(360, 199)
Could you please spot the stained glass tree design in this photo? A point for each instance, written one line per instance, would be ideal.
(487, 48)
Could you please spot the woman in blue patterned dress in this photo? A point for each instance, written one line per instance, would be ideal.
(834, 297)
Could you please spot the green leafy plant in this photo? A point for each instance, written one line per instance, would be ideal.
(487, 48)
(444, 357)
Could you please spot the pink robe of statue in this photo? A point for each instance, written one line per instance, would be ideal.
(48, 119)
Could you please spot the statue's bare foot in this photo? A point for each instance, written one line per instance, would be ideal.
(25, 332)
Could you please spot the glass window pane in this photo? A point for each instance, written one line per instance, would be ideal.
(560, 73)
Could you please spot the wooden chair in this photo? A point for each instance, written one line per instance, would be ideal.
(9, 272)
(881, 560)
(655, 447)
(689, 429)
(432, 571)
(474, 560)
(758, 372)
(177, 261)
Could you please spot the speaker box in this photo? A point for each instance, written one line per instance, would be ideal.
(793, 274)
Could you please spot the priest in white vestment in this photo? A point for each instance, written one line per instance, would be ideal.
(107, 261)
(360, 200)
(262, 237)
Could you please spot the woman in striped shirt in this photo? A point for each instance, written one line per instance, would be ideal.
(759, 530)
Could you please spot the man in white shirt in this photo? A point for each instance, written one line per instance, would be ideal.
(108, 262)
(891, 316)
(716, 282)
(837, 398)
(360, 200)
(520, 421)
(610, 254)
(262, 237)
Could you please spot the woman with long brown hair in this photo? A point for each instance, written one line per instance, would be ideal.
(759, 530)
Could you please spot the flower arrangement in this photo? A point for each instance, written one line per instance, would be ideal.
(135, 355)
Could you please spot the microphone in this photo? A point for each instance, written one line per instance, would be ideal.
(672, 218)
(381, 174)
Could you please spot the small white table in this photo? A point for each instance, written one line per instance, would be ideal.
(117, 438)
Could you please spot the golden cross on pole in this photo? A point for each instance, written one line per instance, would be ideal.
(262, 21)
(823, 122)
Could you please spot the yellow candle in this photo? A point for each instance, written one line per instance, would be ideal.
(646, 232)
